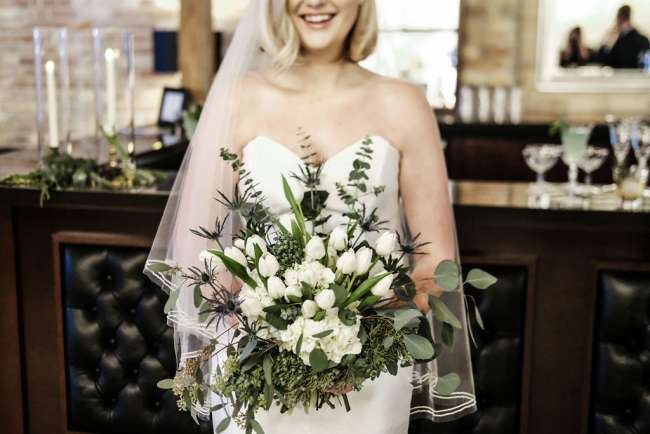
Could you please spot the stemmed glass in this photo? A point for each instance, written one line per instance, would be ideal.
(591, 161)
(641, 144)
(620, 137)
(540, 159)
(574, 145)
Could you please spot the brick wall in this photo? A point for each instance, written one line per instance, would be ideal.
(17, 17)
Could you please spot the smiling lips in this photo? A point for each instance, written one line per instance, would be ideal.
(318, 21)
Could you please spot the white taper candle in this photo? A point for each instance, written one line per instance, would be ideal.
(52, 111)
(111, 96)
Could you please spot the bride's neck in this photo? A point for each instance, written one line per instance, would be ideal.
(318, 73)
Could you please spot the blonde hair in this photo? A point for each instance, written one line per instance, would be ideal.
(279, 38)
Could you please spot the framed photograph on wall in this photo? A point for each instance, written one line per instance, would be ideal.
(174, 102)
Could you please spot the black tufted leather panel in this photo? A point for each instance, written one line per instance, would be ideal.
(621, 365)
(497, 359)
(117, 345)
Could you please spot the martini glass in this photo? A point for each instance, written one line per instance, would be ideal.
(540, 159)
(591, 161)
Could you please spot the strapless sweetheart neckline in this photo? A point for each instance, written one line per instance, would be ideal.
(375, 138)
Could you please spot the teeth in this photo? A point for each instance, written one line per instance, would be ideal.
(318, 18)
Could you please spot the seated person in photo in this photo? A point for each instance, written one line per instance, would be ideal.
(576, 53)
(625, 45)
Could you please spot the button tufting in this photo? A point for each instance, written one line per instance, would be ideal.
(157, 404)
(97, 370)
(109, 277)
(132, 310)
(111, 341)
(135, 372)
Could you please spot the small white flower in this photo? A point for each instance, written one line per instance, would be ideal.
(292, 291)
(308, 275)
(291, 276)
(309, 309)
(252, 308)
(315, 249)
(325, 299)
(235, 254)
(240, 244)
(214, 262)
(382, 288)
(385, 244)
(250, 245)
(276, 287)
(347, 263)
(268, 265)
(338, 238)
(364, 258)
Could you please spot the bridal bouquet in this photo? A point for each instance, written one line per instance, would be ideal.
(313, 313)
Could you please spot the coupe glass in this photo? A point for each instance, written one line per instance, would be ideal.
(592, 160)
(574, 145)
(540, 159)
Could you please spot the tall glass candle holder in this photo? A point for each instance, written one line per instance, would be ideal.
(52, 80)
(114, 72)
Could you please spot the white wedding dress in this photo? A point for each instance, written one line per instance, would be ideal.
(382, 406)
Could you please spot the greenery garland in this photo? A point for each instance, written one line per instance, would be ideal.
(61, 171)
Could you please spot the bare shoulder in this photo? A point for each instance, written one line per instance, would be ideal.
(250, 89)
(403, 109)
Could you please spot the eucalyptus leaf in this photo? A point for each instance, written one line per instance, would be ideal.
(248, 348)
(171, 301)
(257, 427)
(198, 297)
(159, 267)
(223, 425)
(479, 318)
(166, 384)
(404, 316)
(323, 334)
(480, 279)
(447, 335)
(419, 347)
(448, 384)
(447, 275)
(318, 360)
(442, 313)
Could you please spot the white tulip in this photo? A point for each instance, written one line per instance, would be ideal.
(276, 287)
(292, 291)
(214, 262)
(252, 308)
(385, 244)
(250, 245)
(239, 243)
(382, 288)
(364, 258)
(339, 238)
(315, 249)
(347, 263)
(325, 299)
(268, 265)
(291, 276)
(309, 309)
(235, 254)
(296, 188)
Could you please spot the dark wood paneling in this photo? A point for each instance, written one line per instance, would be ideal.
(11, 391)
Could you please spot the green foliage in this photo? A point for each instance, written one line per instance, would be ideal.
(62, 171)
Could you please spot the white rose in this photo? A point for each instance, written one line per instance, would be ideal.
(250, 245)
(239, 243)
(309, 309)
(315, 249)
(276, 287)
(325, 299)
(385, 244)
(292, 291)
(213, 261)
(252, 308)
(339, 238)
(268, 265)
(364, 258)
(235, 254)
(347, 263)
(382, 288)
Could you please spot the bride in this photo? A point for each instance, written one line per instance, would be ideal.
(292, 77)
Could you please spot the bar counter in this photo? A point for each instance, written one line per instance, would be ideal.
(538, 364)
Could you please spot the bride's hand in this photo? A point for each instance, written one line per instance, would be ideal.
(425, 286)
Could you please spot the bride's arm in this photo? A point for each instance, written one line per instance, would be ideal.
(424, 187)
